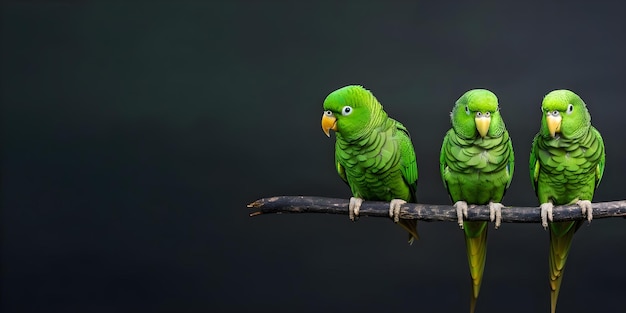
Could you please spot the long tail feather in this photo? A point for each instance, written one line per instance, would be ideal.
(411, 227)
(561, 235)
(476, 243)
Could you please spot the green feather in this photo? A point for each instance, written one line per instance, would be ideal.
(565, 169)
(476, 170)
(373, 152)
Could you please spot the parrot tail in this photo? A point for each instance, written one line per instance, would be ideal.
(561, 235)
(411, 227)
(476, 243)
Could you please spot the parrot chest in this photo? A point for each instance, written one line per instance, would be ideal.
(566, 173)
(476, 172)
(372, 168)
(477, 157)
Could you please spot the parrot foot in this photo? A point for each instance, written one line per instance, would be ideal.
(585, 205)
(461, 210)
(353, 209)
(546, 213)
(495, 213)
(394, 209)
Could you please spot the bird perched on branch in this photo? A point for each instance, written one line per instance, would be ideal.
(476, 165)
(373, 152)
(566, 166)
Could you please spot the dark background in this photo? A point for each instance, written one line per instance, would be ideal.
(135, 133)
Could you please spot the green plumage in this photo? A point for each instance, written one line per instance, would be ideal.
(564, 169)
(476, 169)
(373, 152)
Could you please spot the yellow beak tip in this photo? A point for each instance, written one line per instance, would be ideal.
(554, 125)
(482, 125)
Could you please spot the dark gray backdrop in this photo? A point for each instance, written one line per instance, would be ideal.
(135, 133)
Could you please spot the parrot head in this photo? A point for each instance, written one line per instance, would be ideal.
(350, 110)
(476, 113)
(564, 114)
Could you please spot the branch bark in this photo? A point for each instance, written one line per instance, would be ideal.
(429, 212)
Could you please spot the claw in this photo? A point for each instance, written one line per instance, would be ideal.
(353, 209)
(546, 213)
(461, 210)
(495, 212)
(585, 205)
(394, 209)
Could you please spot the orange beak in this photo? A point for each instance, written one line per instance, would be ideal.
(329, 122)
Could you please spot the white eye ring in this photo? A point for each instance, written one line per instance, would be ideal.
(479, 114)
(347, 110)
(555, 112)
(328, 113)
(487, 114)
(570, 108)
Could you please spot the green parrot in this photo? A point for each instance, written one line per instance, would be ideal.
(373, 152)
(566, 166)
(476, 165)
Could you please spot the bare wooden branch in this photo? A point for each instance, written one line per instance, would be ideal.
(429, 212)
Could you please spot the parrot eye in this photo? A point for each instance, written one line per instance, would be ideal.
(555, 112)
(570, 108)
(347, 110)
(466, 110)
(487, 114)
(328, 113)
(479, 114)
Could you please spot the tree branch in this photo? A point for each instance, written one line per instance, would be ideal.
(429, 212)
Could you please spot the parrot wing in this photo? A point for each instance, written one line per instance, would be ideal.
(511, 165)
(533, 165)
(442, 160)
(600, 167)
(408, 161)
